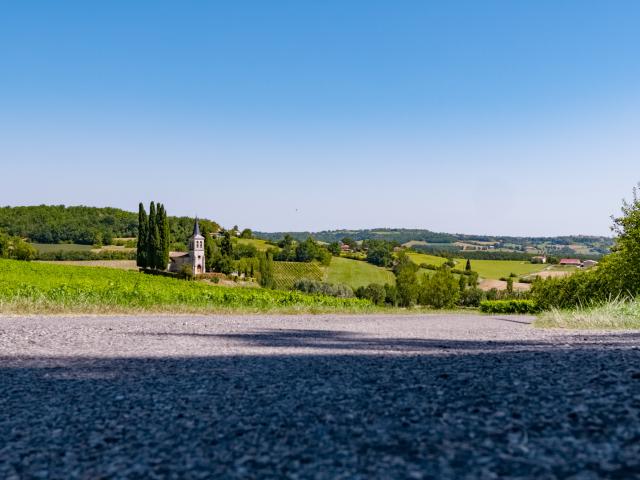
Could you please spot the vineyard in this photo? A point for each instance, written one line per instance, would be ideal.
(28, 287)
(287, 273)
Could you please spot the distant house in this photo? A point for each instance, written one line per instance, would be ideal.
(571, 262)
(589, 263)
(539, 259)
(345, 248)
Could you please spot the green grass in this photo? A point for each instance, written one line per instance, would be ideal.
(29, 287)
(287, 273)
(61, 247)
(356, 273)
(261, 245)
(491, 269)
(613, 315)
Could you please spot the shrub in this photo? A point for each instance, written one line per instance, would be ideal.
(471, 297)
(323, 288)
(374, 292)
(441, 290)
(509, 306)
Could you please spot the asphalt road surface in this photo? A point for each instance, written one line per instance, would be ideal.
(357, 397)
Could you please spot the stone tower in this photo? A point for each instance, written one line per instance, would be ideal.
(196, 250)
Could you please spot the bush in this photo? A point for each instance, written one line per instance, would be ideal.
(323, 288)
(471, 297)
(441, 290)
(374, 292)
(509, 306)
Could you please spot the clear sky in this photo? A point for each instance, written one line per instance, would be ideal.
(497, 117)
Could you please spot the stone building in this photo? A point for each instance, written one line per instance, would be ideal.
(194, 257)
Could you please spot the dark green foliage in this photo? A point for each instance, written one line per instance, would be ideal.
(306, 251)
(467, 267)
(379, 252)
(165, 237)
(82, 225)
(471, 297)
(441, 290)
(323, 288)
(390, 295)
(509, 306)
(16, 248)
(246, 233)
(226, 245)
(334, 248)
(374, 292)
(406, 283)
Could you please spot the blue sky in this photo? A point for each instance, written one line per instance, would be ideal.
(495, 117)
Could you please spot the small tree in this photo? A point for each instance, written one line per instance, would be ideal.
(467, 267)
(266, 271)
(510, 285)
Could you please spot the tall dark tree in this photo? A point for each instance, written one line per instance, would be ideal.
(153, 242)
(165, 237)
(467, 267)
(143, 237)
(226, 245)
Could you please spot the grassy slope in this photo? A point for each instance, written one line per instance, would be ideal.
(356, 273)
(492, 269)
(29, 287)
(612, 315)
(261, 245)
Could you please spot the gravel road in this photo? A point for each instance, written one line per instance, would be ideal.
(358, 397)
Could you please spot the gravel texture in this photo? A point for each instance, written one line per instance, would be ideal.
(358, 397)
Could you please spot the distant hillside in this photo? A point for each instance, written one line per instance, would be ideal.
(80, 224)
(429, 241)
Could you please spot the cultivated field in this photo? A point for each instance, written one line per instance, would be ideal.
(119, 264)
(39, 287)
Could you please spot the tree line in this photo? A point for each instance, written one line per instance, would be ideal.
(80, 224)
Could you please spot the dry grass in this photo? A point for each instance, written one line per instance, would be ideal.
(614, 315)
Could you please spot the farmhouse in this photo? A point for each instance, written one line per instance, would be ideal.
(571, 261)
(194, 258)
(589, 263)
(539, 259)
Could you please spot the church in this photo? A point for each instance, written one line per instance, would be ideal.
(193, 258)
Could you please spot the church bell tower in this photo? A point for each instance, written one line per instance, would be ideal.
(196, 250)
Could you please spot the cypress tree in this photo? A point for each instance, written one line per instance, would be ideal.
(153, 242)
(165, 239)
(143, 234)
(468, 266)
(266, 271)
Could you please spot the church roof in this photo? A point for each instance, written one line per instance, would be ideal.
(196, 229)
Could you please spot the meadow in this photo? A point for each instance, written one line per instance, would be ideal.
(490, 269)
(356, 273)
(30, 287)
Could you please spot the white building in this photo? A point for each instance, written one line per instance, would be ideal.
(195, 256)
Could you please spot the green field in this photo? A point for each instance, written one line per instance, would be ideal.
(491, 269)
(356, 273)
(30, 287)
(261, 245)
(61, 247)
(287, 273)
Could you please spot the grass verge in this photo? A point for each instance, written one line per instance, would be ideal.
(614, 315)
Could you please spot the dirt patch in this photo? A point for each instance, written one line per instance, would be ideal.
(488, 284)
